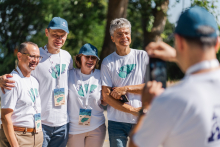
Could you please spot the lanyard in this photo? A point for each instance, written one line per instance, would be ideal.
(202, 65)
(86, 95)
(53, 67)
(35, 98)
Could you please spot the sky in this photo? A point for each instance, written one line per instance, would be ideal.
(176, 9)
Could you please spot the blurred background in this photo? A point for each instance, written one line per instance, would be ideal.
(151, 20)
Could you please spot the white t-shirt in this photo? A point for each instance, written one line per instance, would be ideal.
(185, 115)
(119, 71)
(21, 100)
(77, 100)
(52, 115)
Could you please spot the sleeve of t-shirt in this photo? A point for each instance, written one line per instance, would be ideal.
(71, 63)
(9, 99)
(145, 57)
(158, 123)
(106, 76)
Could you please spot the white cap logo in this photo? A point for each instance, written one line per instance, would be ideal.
(94, 50)
(64, 24)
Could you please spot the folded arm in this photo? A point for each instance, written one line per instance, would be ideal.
(119, 91)
(107, 98)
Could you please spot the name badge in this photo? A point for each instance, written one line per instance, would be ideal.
(37, 120)
(85, 117)
(59, 96)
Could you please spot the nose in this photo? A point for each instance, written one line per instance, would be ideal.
(90, 58)
(59, 38)
(124, 35)
(35, 59)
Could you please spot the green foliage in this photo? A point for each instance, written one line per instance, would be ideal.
(85, 19)
(24, 20)
(134, 16)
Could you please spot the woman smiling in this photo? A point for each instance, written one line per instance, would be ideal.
(87, 121)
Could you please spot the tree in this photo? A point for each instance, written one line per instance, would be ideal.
(153, 19)
(116, 9)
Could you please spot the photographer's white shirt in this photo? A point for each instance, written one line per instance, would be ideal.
(185, 115)
(118, 71)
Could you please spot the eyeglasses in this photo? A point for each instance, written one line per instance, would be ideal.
(32, 57)
(92, 57)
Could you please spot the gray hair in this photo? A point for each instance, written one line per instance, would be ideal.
(23, 46)
(119, 23)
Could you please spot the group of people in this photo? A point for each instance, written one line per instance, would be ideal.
(47, 102)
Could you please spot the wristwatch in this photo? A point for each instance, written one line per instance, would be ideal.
(143, 111)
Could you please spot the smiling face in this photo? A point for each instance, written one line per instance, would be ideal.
(56, 38)
(88, 63)
(122, 37)
(29, 58)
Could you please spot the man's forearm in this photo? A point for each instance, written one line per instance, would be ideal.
(1, 81)
(119, 105)
(136, 89)
(9, 132)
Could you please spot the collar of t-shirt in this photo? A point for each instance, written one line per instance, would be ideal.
(53, 66)
(207, 64)
(125, 56)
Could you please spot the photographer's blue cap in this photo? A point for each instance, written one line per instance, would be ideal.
(192, 19)
(89, 50)
(58, 23)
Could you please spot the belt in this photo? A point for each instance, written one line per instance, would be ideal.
(22, 129)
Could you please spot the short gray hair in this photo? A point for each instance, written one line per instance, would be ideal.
(23, 46)
(119, 23)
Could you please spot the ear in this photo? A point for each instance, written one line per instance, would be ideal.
(46, 32)
(112, 38)
(217, 45)
(19, 56)
(178, 42)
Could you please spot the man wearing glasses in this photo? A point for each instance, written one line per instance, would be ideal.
(52, 75)
(21, 106)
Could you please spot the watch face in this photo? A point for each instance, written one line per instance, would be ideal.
(143, 111)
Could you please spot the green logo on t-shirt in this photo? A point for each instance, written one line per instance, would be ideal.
(32, 94)
(58, 70)
(92, 88)
(125, 70)
(84, 119)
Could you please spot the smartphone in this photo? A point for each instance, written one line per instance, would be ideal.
(124, 98)
(158, 71)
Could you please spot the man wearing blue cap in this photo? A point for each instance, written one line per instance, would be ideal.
(188, 113)
(52, 74)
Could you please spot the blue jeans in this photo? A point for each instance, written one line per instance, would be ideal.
(118, 133)
(55, 136)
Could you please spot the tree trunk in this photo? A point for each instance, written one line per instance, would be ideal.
(160, 16)
(116, 9)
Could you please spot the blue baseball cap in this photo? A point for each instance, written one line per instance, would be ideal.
(194, 18)
(58, 23)
(89, 50)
